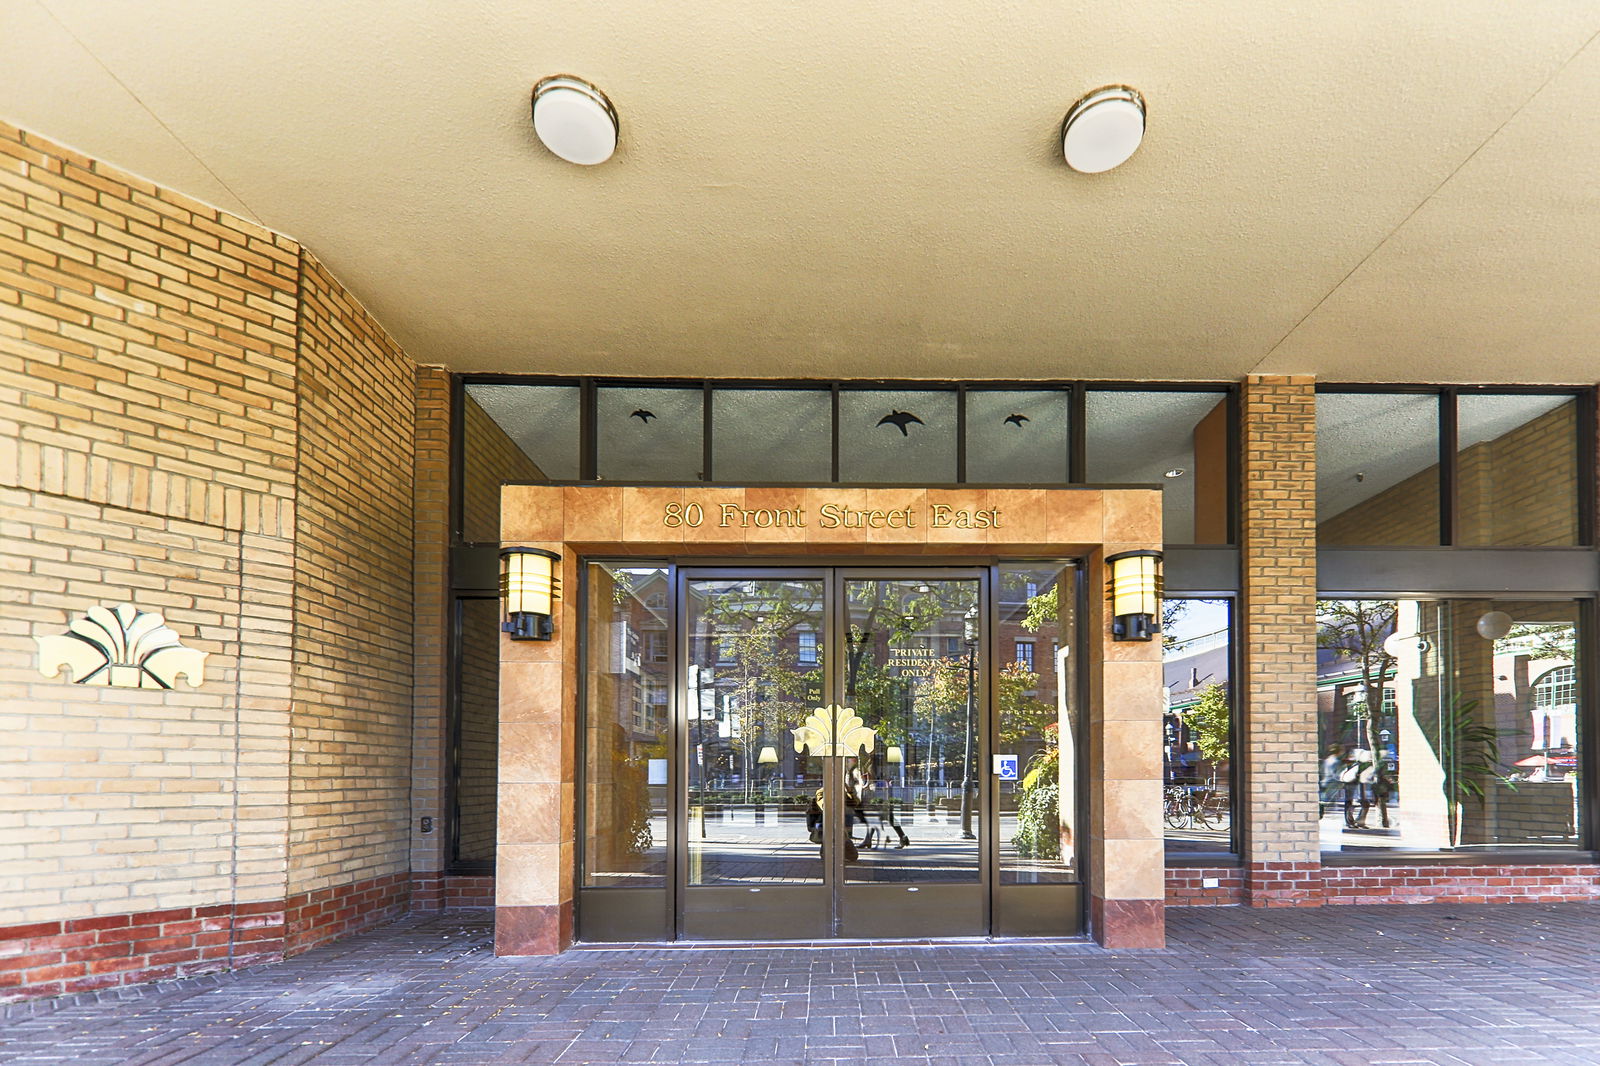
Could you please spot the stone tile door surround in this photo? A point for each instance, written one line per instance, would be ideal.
(539, 711)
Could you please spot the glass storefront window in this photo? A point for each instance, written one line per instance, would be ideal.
(513, 433)
(627, 717)
(1197, 726)
(649, 434)
(1517, 470)
(897, 437)
(1448, 724)
(1017, 437)
(772, 435)
(1037, 720)
(1175, 439)
(476, 743)
(1377, 468)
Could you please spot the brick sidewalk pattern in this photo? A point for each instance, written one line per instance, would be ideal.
(1467, 985)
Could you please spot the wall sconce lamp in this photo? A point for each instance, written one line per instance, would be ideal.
(530, 587)
(1134, 589)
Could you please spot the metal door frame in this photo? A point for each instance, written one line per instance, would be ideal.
(740, 916)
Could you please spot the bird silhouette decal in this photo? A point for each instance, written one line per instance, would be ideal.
(1017, 420)
(642, 415)
(900, 420)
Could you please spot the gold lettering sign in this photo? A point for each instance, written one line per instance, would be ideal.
(830, 516)
(911, 662)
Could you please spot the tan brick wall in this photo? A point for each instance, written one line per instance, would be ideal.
(1278, 542)
(181, 428)
(147, 435)
(126, 799)
(148, 345)
(350, 802)
(430, 644)
(489, 459)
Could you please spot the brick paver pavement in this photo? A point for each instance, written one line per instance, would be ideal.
(1501, 984)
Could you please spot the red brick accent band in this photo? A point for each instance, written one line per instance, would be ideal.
(468, 893)
(1303, 884)
(1187, 886)
(436, 892)
(1284, 884)
(329, 913)
(427, 893)
(87, 954)
(1460, 884)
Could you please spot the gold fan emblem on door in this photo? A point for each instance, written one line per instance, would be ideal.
(834, 730)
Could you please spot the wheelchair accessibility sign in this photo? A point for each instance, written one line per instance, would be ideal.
(1005, 767)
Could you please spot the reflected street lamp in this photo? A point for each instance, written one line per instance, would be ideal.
(769, 757)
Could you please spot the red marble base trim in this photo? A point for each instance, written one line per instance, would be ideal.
(1460, 884)
(108, 951)
(1186, 886)
(314, 918)
(1284, 884)
(545, 930)
(1128, 923)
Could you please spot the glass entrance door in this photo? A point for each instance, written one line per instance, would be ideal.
(831, 755)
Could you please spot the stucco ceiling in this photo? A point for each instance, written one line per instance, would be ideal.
(1363, 191)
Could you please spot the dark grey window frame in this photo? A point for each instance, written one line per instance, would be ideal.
(1210, 571)
(1191, 589)
(1473, 573)
(1449, 455)
(1077, 442)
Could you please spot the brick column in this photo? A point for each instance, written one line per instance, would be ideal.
(430, 567)
(1279, 690)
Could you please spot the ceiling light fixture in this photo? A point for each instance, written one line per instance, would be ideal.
(1176, 471)
(574, 120)
(1103, 129)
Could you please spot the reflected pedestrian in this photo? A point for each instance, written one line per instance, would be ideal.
(1330, 776)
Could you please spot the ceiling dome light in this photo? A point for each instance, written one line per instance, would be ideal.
(1103, 129)
(574, 120)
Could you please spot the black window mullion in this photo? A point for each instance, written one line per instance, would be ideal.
(706, 473)
(835, 390)
(1586, 467)
(1448, 439)
(588, 464)
(1235, 467)
(1588, 724)
(1077, 434)
(458, 452)
(961, 434)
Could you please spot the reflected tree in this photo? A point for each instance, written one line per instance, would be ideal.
(1355, 630)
